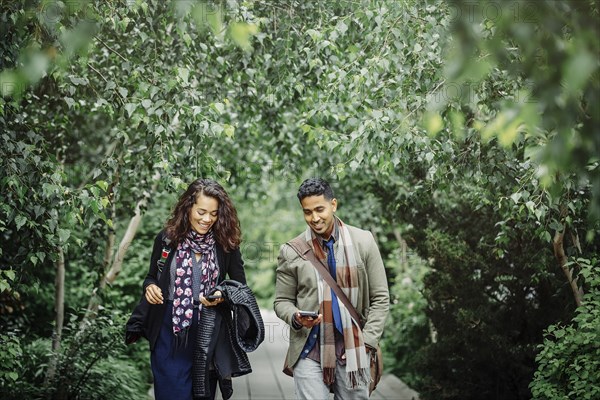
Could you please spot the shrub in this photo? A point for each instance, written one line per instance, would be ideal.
(569, 359)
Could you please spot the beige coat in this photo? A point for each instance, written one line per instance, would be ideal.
(296, 289)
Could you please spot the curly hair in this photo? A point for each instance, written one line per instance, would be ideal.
(315, 187)
(227, 227)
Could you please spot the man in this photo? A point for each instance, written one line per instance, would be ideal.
(330, 352)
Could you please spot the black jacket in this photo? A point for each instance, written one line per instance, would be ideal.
(228, 331)
(146, 319)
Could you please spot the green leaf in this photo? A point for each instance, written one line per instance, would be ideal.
(130, 108)
(183, 73)
(70, 102)
(10, 274)
(228, 130)
(218, 107)
(530, 206)
(102, 185)
(341, 27)
(20, 220)
(63, 235)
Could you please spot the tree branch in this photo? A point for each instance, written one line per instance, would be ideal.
(111, 49)
(561, 257)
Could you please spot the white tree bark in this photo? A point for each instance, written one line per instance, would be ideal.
(59, 310)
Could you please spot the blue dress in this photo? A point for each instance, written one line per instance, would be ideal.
(172, 365)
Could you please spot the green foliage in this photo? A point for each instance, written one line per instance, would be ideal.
(88, 366)
(551, 49)
(569, 358)
(10, 360)
(407, 329)
(482, 139)
(259, 215)
(488, 322)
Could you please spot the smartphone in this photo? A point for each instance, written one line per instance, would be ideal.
(311, 314)
(212, 297)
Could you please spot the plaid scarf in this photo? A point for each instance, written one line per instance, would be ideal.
(183, 306)
(357, 360)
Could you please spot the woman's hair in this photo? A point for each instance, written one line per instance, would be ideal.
(227, 227)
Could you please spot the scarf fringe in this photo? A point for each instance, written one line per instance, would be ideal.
(328, 375)
(362, 377)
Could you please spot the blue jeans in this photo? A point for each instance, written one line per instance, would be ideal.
(308, 381)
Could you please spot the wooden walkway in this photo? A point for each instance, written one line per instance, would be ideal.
(267, 382)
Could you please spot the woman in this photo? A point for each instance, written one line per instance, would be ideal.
(197, 249)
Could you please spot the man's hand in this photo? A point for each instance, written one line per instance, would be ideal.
(154, 294)
(307, 322)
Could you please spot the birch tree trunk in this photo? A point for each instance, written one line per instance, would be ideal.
(113, 269)
(59, 309)
(403, 249)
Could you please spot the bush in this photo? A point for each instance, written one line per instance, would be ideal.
(488, 322)
(10, 362)
(90, 365)
(569, 360)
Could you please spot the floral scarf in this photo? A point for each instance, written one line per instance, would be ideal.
(183, 305)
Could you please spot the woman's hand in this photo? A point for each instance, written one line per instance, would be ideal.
(212, 303)
(154, 294)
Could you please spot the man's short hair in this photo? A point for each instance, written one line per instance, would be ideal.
(315, 187)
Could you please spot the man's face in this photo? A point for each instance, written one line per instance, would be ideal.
(318, 214)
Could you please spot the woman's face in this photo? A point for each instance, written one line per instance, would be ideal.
(204, 213)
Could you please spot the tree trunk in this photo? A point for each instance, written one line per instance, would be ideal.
(433, 334)
(59, 309)
(114, 270)
(117, 262)
(403, 250)
(559, 253)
